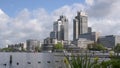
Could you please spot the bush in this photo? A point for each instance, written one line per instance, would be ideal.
(84, 61)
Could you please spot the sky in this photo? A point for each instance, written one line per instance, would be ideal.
(33, 19)
(12, 7)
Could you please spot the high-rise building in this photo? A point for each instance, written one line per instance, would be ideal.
(80, 25)
(60, 29)
(53, 35)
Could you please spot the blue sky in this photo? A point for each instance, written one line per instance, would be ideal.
(12, 7)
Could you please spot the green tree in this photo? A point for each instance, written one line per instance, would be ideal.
(58, 46)
(7, 49)
(96, 46)
(117, 49)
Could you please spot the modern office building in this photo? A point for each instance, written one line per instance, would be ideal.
(60, 29)
(53, 34)
(80, 25)
(109, 41)
(93, 36)
(32, 44)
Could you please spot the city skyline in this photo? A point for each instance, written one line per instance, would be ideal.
(36, 22)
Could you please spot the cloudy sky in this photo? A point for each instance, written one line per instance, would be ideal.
(33, 19)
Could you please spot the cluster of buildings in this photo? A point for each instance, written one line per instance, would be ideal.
(30, 45)
(82, 36)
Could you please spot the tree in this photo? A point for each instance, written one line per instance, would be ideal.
(58, 46)
(96, 46)
(101, 47)
(7, 49)
(117, 49)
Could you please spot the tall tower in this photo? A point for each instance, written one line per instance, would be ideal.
(60, 29)
(80, 25)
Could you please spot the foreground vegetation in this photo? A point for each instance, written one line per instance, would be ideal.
(86, 62)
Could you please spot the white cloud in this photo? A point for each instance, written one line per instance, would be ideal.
(4, 18)
(103, 17)
(101, 8)
(1, 12)
(89, 2)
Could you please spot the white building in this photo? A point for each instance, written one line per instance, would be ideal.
(82, 42)
(32, 44)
